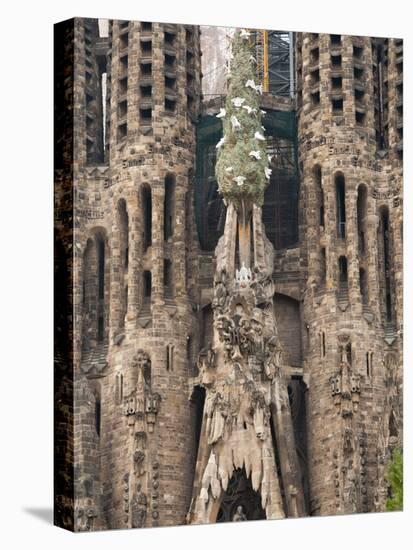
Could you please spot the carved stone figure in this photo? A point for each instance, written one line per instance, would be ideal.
(243, 276)
(345, 385)
(138, 507)
(227, 333)
(259, 288)
(205, 364)
(220, 291)
(240, 514)
(139, 462)
(220, 412)
(348, 441)
(272, 361)
(350, 490)
(246, 335)
(151, 409)
(142, 364)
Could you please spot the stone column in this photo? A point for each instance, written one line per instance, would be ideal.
(353, 269)
(158, 197)
(349, 112)
(330, 230)
(134, 261)
(178, 258)
(371, 224)
(116, 277)
(284, 432)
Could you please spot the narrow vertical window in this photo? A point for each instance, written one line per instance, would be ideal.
(101, 288)
(342, 271)
(341, 205)
(146, 197)
(188, 349)
(323, 266)
(101, 268)
(170, 357)
(167, 278)
(386, 262)
(363, 286)
(97, 415)
(147, 286)
(361, 216)
(322, 344)
(119, 389)
(123, 224)
(169, 207)
(317, 178)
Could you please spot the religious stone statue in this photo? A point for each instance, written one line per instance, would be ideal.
(350, 490)
(220, 292)
(138, 508)
(258, 286)
(272, 358)
(220, 411)
(139, 462)
(239, 514)
(205, 363)
(243, 275)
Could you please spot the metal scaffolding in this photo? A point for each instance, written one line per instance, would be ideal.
(275, 61)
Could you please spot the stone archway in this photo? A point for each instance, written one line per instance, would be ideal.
(240, 493)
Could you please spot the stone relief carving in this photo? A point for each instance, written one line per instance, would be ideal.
(350, 488)
(138, 507)
(243, 378)
(140, 406)
(240, 514)
(345, 385)
(85, 518)
(345, 389)
(126, 498)
(220, 291)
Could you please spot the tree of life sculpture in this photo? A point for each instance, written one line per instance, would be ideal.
(242, 373)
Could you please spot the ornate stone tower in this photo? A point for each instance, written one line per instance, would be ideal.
(349, 98)
(136, 98)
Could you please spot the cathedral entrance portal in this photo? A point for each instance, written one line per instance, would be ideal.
(240, 502)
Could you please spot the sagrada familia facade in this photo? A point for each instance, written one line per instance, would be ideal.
(228, 277)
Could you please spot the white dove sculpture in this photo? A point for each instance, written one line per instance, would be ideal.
(250, 84)
(220, 143)
(239, 180)
(237, 101)
(235, 123)
(249, 109)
